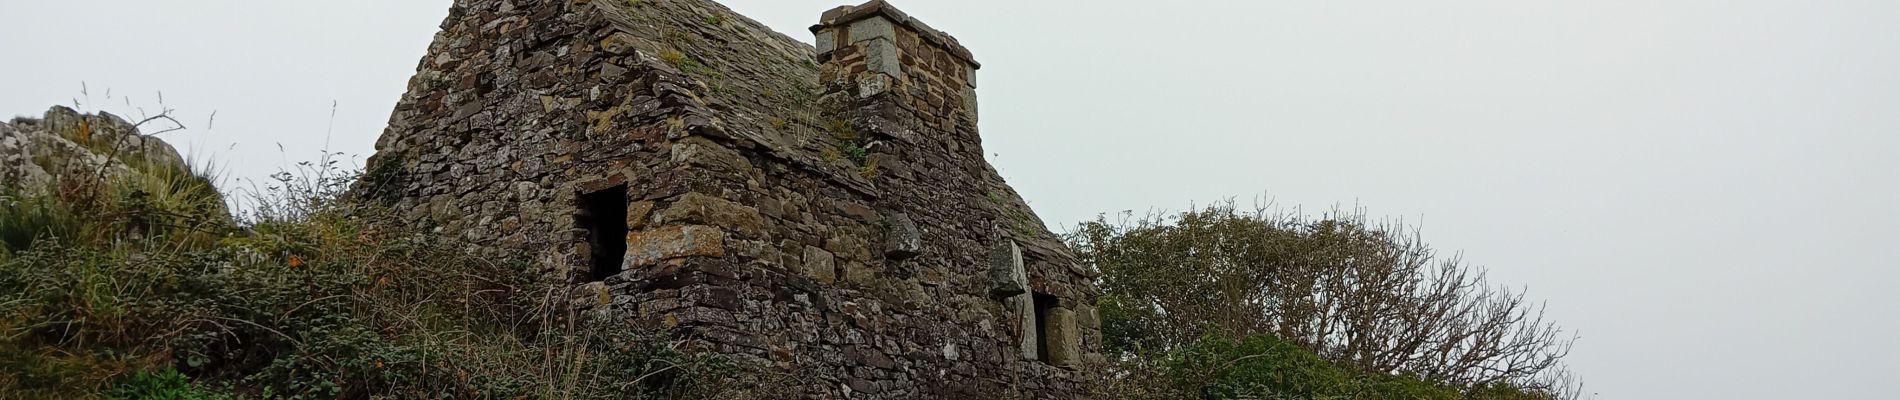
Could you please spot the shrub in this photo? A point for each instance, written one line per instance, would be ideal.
(1259, 366)
(162, 385)
(1266, 367)
(1364, 295)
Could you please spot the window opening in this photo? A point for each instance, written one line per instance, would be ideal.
(604, 215)
(1044, 304)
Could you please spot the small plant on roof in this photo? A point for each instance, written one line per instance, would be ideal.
(869, 169)
(853, 151)
(841, 130)
(671, 56)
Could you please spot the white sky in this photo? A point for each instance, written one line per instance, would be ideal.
(1705, 189)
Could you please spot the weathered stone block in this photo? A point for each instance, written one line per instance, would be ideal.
(870, 85)
(873, 29)
(881, 56)
(819, 265)
(698, 151)
(827, 41)
(637, 213)
(698, 208)
(649, 247)
(849, 246)
(863, 386)
(1007, 277)
(1025, 312)
(1064, 341)
(860, 274)
(903, 240)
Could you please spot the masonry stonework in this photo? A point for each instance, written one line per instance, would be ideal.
(824, 211)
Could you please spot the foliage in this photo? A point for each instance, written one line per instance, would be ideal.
(1366, 296)
(856, 153)
(382, 183)
(24, 220)
(138, 291)
(1126, 330)
(179, 204)
(850, 144)
(1267, 367)
(162, 385)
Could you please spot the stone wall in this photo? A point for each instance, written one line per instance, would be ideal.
(827, 214)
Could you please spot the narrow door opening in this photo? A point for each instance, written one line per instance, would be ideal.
(1044, 304)
(604, 216)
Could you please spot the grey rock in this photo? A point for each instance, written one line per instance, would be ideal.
(903, 239)
(33, 153)
(1006, 274)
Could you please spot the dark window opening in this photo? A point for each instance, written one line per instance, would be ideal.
(604, 216)
(1044, 304)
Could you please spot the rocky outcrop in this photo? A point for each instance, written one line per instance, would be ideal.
(34, 153)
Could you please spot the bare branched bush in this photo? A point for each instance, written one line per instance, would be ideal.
(1369, 295)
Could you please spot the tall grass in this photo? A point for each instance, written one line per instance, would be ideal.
(25, 220)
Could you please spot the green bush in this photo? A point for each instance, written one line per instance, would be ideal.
(162, 385)
(1260, 366)
(1266, 367)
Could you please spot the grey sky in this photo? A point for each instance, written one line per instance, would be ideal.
(1706, 190)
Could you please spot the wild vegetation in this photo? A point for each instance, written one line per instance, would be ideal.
(1220, 303)
(140, 286)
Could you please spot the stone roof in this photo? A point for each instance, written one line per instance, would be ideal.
(753, 84)
(761, 87)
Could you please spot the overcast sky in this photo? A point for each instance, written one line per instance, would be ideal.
(1705, 190)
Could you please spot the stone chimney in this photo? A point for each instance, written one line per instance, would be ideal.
(879, 55)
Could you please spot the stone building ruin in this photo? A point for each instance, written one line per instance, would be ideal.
(826, 211)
